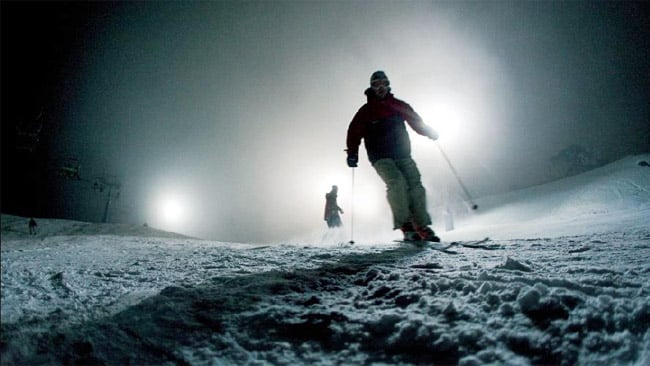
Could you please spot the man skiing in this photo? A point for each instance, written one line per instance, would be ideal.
(332, 208)
(380, 123)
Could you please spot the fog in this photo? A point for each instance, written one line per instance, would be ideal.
(227, 120)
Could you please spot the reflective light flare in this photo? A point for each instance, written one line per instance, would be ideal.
(447, 117)
(172, 210)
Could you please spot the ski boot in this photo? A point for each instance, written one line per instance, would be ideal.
(410, 234)
(427, 234)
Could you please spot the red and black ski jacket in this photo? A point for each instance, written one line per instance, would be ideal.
(380, 123)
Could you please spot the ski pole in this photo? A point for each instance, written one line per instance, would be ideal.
(460, 182)
(352, 211)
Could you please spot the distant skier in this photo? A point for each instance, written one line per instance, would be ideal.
(380, 123)
(332, 209)
(32, 226)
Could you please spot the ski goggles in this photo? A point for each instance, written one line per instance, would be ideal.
(376, 84)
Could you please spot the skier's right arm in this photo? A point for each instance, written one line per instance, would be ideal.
(356, 131)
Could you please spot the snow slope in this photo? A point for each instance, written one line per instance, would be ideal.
(14, 227)
(603, 200)
(564, 281)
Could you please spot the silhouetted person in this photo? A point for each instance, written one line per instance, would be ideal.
(380, 123)
(32, 226)
(332, 209)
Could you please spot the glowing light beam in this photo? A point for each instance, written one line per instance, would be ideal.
(446, 117)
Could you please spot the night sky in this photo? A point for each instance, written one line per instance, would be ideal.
(227, 120)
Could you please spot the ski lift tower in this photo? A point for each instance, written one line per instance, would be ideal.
(28, 133)
(112, 187)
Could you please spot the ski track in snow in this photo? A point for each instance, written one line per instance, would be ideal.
(109, 299)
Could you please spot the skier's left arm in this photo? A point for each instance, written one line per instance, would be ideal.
(415, 121)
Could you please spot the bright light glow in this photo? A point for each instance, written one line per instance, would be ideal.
(446, 116)
(172, 210)
(324, 185)
(368, 197)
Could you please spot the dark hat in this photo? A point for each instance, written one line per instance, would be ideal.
(378, 75)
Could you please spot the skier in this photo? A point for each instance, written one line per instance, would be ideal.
(380, 123)
(332, 208)
(32, 226)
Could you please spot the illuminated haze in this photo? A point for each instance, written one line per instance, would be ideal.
(234, 115)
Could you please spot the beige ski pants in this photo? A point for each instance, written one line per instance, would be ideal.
(404, 191)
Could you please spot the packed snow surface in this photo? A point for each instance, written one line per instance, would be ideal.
(563, 281)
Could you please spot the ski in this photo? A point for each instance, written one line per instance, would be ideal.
(443, 247)
(477, 244)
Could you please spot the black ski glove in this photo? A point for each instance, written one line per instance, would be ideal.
(353, 159)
